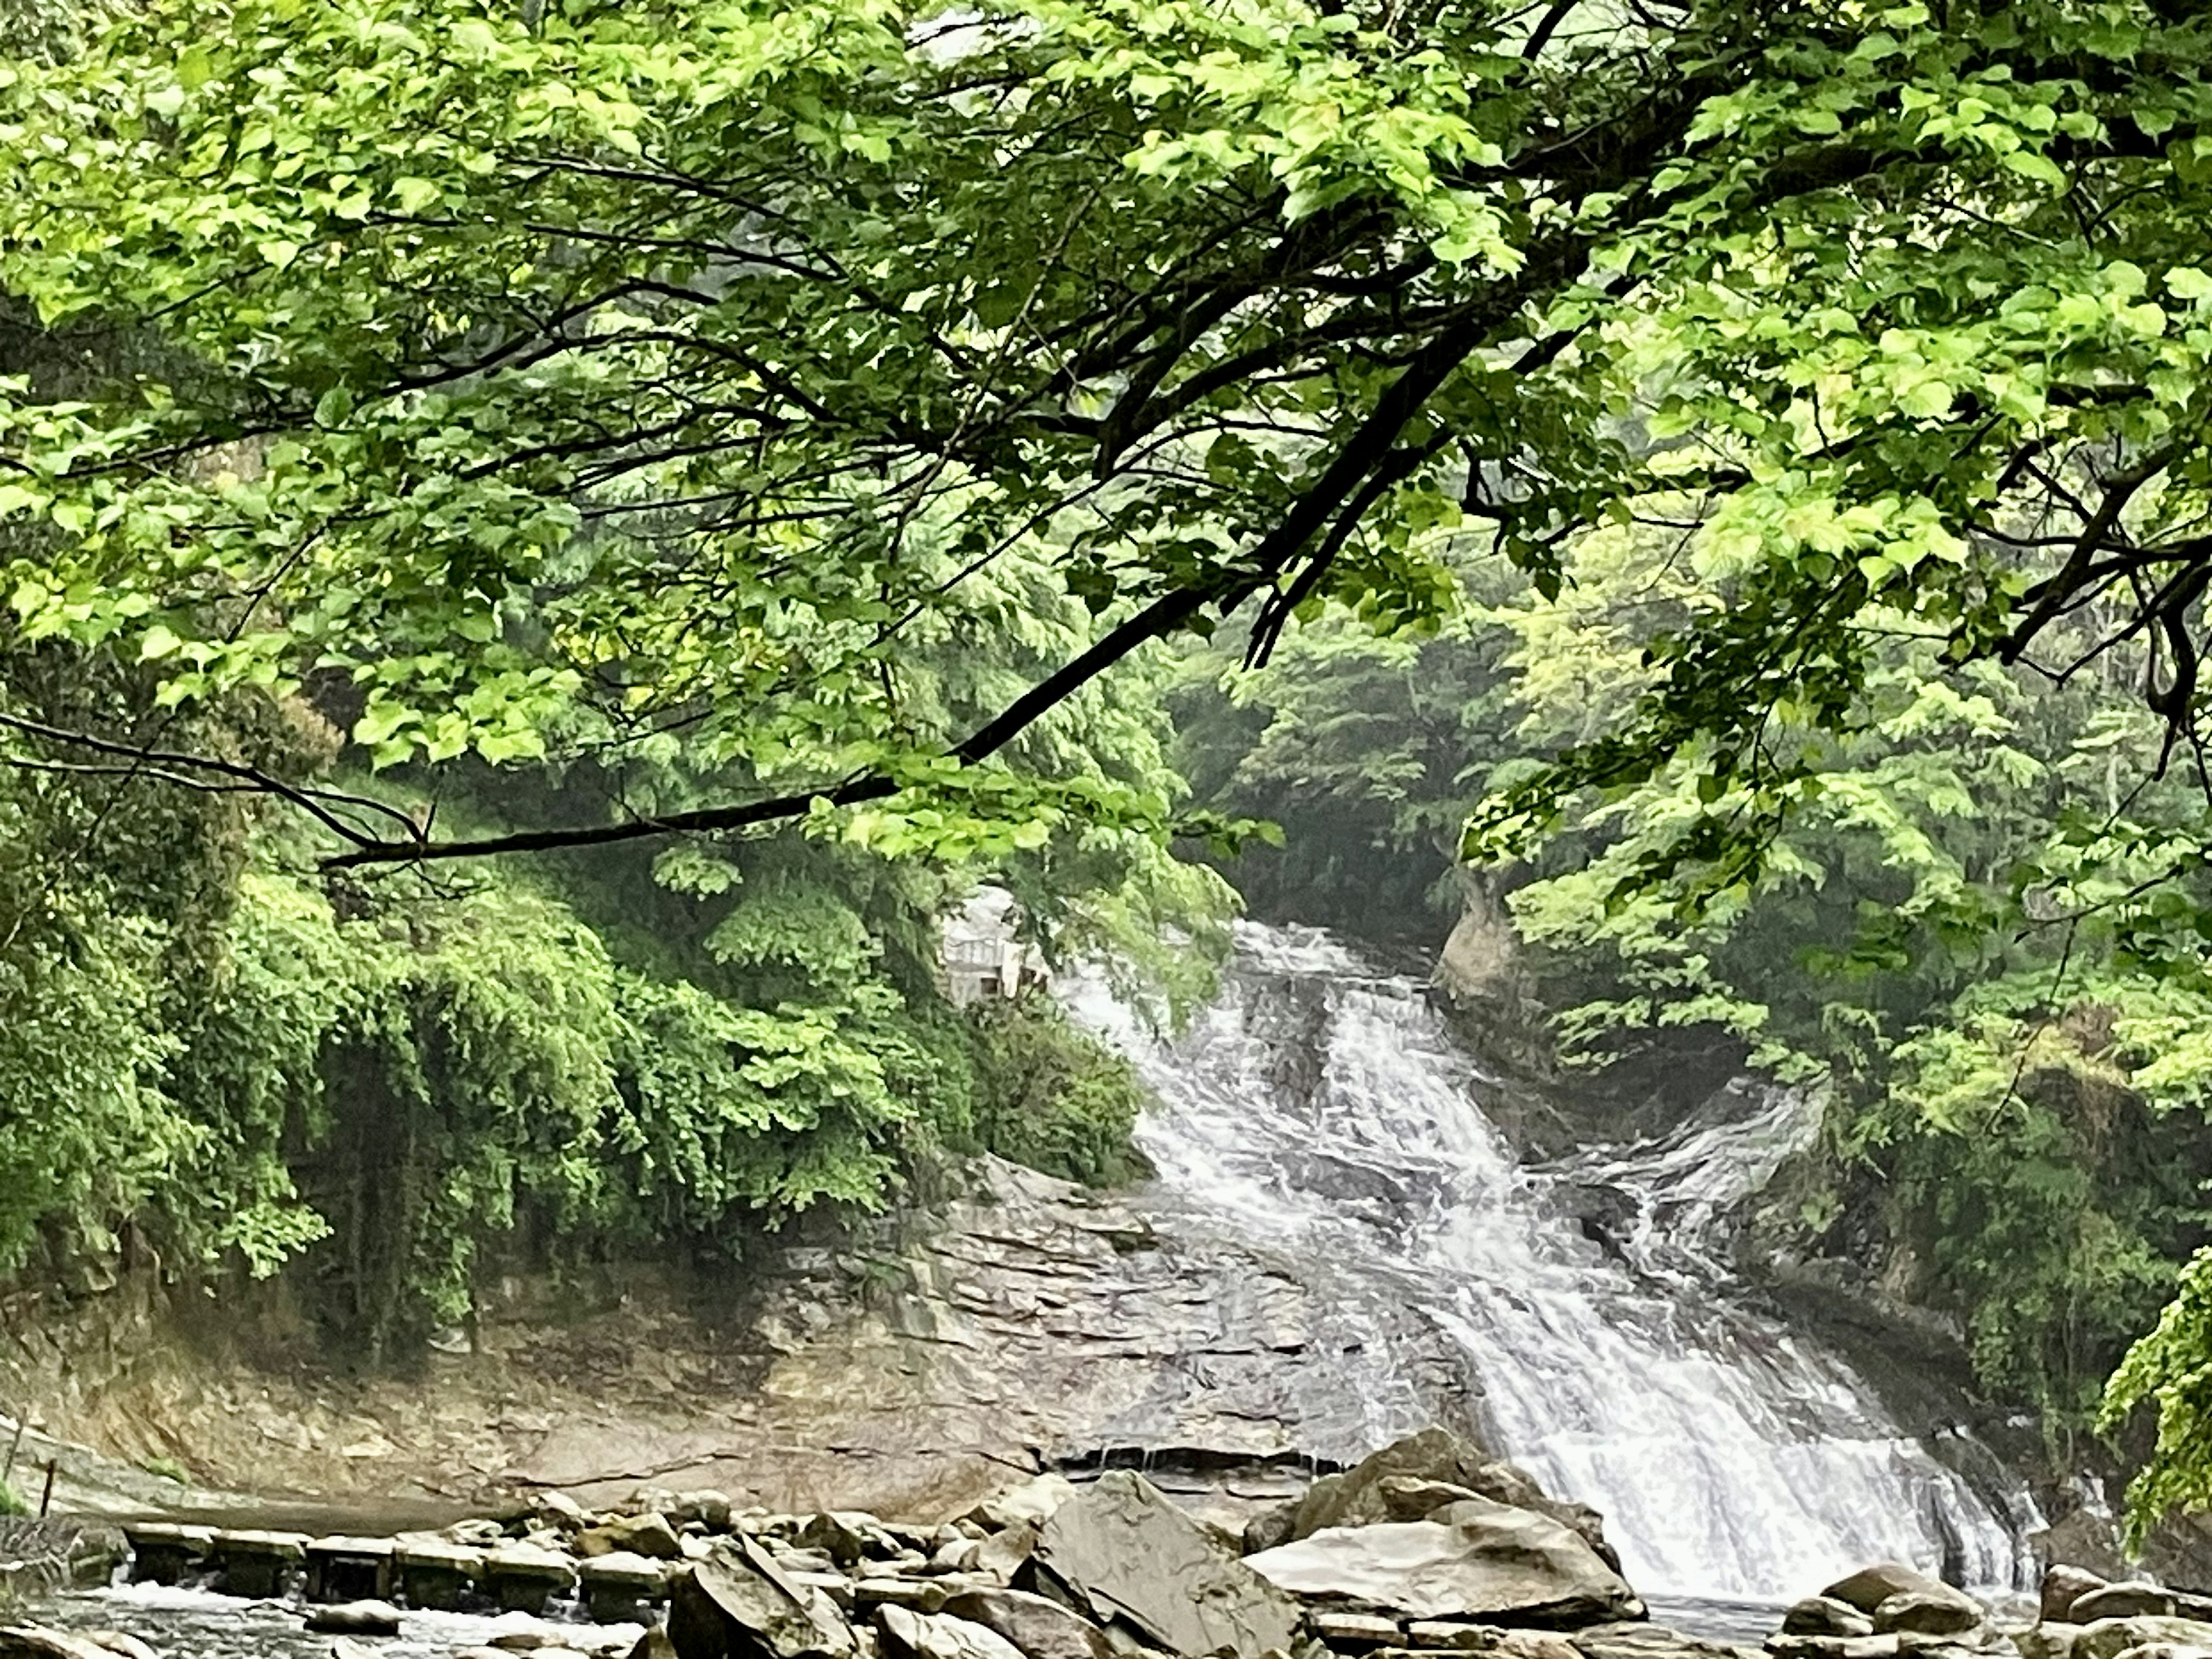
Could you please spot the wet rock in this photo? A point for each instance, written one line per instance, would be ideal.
(1941, 1611)
(918, 1594)
(121, 1642)
(2108, 1639)
(1833, 1647)
(1123, 1553)
(1869, 1587)
(654, 1644)
(1825, 1615)
(355, 1619)
(1363, 1495)
(1404, 1498)
(1356, 1632)
(2128, 1600)
(738, 1604)
(647, 1535)
(1640, 1640)
(846, 1537)
(1040, 1626)
(909, 1635)
(1271, 1528)
(2049, 1639)
(2063, 1586)
(1477, 1559)
(559, 1511)
(36, 1641)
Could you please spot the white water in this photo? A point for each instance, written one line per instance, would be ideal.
(1321, 1110)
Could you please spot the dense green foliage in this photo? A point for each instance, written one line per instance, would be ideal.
(721, 414)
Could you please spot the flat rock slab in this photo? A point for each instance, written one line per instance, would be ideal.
(1479, 1560)
(906, 1634)
(1128, 1554)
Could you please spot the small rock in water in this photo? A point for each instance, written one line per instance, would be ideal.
(1824, 1615)
(1869, 1587)
(647, 1535)
(355, 1619)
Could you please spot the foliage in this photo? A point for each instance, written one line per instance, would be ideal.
(1051, 1098)
(12, 1502)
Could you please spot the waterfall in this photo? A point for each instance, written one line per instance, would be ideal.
(1321, 1110)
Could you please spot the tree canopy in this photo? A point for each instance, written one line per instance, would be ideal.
(617, 368)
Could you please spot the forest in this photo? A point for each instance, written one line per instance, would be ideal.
(546, 547)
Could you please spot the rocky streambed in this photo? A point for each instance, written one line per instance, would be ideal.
(1429, 1549)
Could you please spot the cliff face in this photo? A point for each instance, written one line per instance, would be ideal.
(1025, 1325)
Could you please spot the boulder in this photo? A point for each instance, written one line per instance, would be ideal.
(647, 1535)
(906, 1634)
(1405, 1498)
(1477, 1560)
(1941, 1611)
(2063, 1586)
(1040, 1626)
(1125, 1555)
(2050, 1640)
(1869, 1587)
(355, 1619)
(1356, 1496)
(2129, 1599)
(559, 1511)
(1824, 1615)
(738, 1604)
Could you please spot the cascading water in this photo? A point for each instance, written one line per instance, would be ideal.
(1320, 1111)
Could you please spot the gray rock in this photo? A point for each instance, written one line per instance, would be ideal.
(1356, 1631)
(355, 1619)
(1271, 1527)
(1040, 1626)
(1033, 1500)
(1941, 1611)
(2108, 1639)
(1833, 1647)
(1364, 1494)
(738, 1604)
(2050, 1640)
(2128, 1600)
(708, 1508)
(647, 1535)
(907, 1634)
(1477, 1559)
(1641, 1640)
(37, 1641)
(120, 1642)
(920, 1595)
(1824, 1615)
(560, 1510)
(847, 1537)
(2063, 1586)
(1004, 1553)
(1126, 1556)
(1869, 1587)
(2166, 1650)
